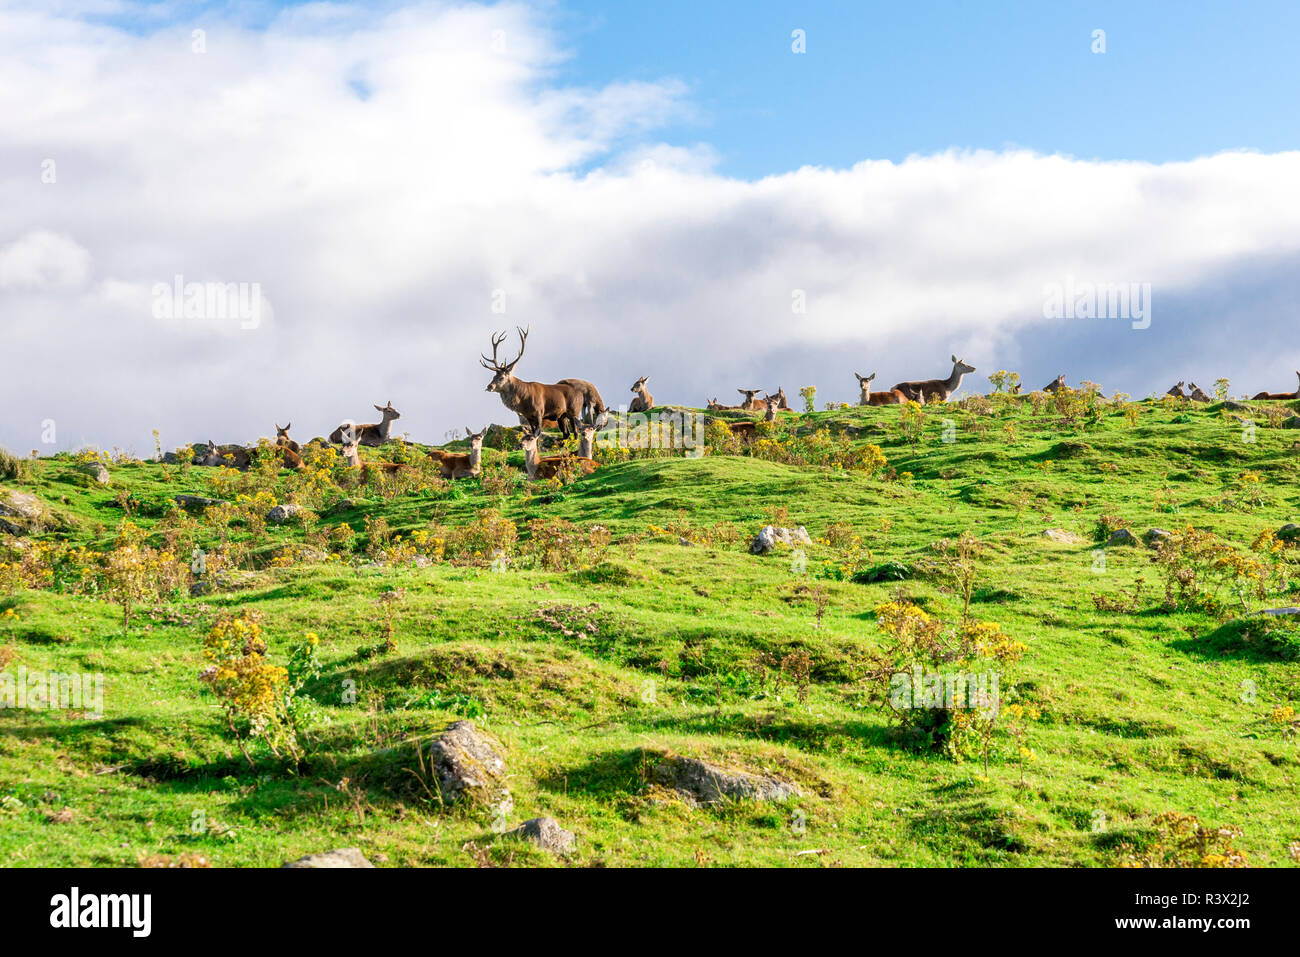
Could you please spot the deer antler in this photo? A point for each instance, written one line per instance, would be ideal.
(484, 361)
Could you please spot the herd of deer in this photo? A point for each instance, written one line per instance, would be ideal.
(575, 407)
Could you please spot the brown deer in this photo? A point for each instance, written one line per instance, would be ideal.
(781, 402)
(752, 404)
(937, 389)
(372, 434)
(457, 465)
(548, 466)
(1056, 385)
(587, 444)
(348, 442)
(289, 458)
(747, 430)
(282, 438)
(593, 406)
(1176, 390)
(235, 456)
(716, 406)
(1282, 395)
(877, 398)
(534, 402)
(644, 401)
(1198, 394)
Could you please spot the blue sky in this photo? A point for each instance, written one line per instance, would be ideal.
(884, 80)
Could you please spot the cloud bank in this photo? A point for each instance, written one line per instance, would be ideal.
(398, 185)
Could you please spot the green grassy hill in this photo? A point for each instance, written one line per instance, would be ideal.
(647, 628)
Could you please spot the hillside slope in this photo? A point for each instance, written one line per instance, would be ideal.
(590, 655)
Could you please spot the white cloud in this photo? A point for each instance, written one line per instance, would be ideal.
(382, 176)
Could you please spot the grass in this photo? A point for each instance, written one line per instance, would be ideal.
(588, 674)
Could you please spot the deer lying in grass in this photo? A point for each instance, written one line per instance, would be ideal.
(373, 434)
(544, 467)
(1176, 390)
(1198, 394)
(1056, 385)
(587, 444)
(716, 406)
(780, 396)
(282, 438)
(746, 431)
(456, 465)
(644, 401)
(534, 402)
(877, 398)
(752, 404)
(235, 456)
(1282, 395)
(937, 389)
(593, 406)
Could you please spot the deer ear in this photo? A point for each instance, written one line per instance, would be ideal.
(468, 431)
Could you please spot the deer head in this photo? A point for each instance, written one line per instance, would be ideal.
(388, 412)
(639, 384)
(504, 370)
(961, 367)
(282, 431)
(476, 438)
(749, 394)
(773, 403)
(349, 446)
(781, 400)
(865, 383)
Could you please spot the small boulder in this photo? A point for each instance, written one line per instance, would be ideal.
(1121, 536)
(547, 834)
(769, 536)
(21, 512)
(1154, 536)
(97, 471)
(702, 783)
(282, 513)
(343, 857)
(1062, 536)
(467, 764)
(196, 501)
(1289, 532)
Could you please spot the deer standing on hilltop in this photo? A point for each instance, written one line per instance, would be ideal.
(593, 406)
(534, 402)
(868, 397)
(456, 465)
(1056, 385)
(644, 401)
(545, 467)
(937, 389)
(1281, 395)
(372, 434)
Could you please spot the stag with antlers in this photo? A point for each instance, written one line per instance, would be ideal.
(533, 402)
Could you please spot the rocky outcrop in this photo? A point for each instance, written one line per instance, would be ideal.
(699, 782)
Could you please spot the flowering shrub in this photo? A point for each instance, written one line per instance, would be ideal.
(1183, 841)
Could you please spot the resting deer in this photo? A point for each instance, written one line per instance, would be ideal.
(233, 455)
(457, 465)
(937, 389)
(877, 398)
(348, 442)
(375, 433)
(781, 402)
(593, 406)
(751, 404)
(716, 406)
(534, 402)
(1282, 395)
(282, 438)
(644, 401)
(1198, 394)
(548, 466)
(1176, 390)
(587, 444)
(1056, 385)
(289, 458)
(747, 430)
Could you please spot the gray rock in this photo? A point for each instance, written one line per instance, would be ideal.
(702, 783)
(1121, 536)
(1154, 536)
(96, 470)
(769, 536)
(684, 542)
(1062, 536)
(343, 857)
(196, 501)
(1289, 532)
(21, 512)
(282, 513)
(467, 765)
(801, 536)
(547, 834)
(1233, 405)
